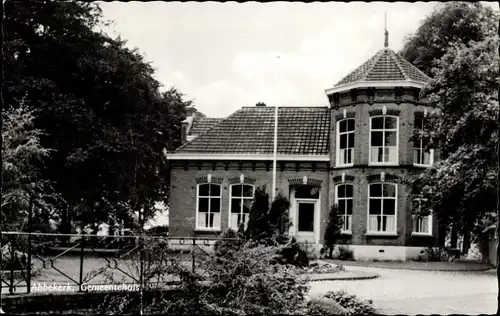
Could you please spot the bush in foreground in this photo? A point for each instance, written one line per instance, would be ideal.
(247, 281)
(352, 304)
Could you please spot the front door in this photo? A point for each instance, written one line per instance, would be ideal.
(305, 221)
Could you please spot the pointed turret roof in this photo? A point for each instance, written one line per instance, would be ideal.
(384, 69)
(386, 65)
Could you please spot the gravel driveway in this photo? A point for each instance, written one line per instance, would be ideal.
(421, 292)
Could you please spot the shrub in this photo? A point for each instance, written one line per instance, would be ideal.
(434, 254)
(345, 253)
(293, 254)
(352, 304)
(228, 242)
(247, 283)
(161, 230)
(20, 261)
(333, 229)
(324, 307)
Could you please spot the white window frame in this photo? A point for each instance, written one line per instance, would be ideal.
(215, 228)
(344, 212)
(241, 198)
(415, 218)
(376, 163)
(384, 233)
(337, 150)
(421, 149)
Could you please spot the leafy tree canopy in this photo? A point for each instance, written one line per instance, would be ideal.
(451, 23)
(98, 105)
(463, 184)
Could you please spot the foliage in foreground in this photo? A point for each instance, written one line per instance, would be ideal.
(352, 304)
(247, 281)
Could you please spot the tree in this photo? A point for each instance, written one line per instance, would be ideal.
(22, 160)
(333, 228)
(463, 184)
(268, 224)
(258, 225)
(450, 23)
(99, 107)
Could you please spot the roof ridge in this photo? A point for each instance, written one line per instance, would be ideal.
(401, 68)
(375, 60)
(208, 130)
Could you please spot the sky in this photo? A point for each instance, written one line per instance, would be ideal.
(223, 56)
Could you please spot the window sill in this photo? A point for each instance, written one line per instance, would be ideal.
(344, 166)
(422, 234)
(346, 233)
(421, 166)
(381, 234)
(207, 230)
(382, 164)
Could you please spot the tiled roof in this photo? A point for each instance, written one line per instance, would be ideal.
(203, 124)
(250, 130)
(386, 65)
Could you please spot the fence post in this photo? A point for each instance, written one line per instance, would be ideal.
(30, 215)
(141, 272)
(193, 255)
(12, 256)
(82, 250)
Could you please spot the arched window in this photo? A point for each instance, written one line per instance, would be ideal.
(344, 200)
(208, 206)
(384, 140)
(241, 201)
(345, 142)
(382, 207)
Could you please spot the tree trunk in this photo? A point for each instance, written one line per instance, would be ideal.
(467, 242)
(330, 254)
(454, 236)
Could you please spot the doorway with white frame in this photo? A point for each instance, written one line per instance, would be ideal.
(305, 213)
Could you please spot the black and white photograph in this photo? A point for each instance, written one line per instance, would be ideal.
(249, 158)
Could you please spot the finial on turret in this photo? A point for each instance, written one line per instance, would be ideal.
(386, 43)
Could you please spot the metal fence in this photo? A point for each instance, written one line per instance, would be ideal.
(79, 261)
(45, 262)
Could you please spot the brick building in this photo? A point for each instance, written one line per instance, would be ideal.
(354, 152)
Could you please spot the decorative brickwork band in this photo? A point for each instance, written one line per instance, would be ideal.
(381, 177)
(309, 181)
(205, 179)
(348, 114)
(246, 180)
(374, 112)
(347, 178)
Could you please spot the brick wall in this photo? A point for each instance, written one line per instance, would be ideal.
(183, 189)
(361, 113)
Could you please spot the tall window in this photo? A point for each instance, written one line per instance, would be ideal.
(384, 139)
(382, 207)
(422, 224)
(421, 157)
(345, 142)
(344, 200)
(209, 204)
(241, 201)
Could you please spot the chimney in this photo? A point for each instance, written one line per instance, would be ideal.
(260, 104)
(187, 123)
(190, 111)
